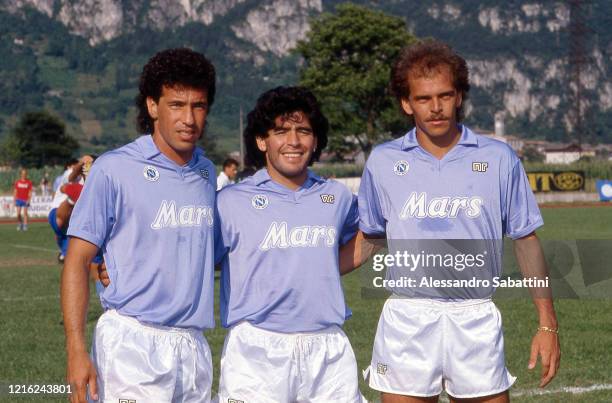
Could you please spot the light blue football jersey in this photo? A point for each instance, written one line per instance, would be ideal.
(154, 221)
(477, 191)
(280, 246)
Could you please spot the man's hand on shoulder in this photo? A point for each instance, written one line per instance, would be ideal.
(103, 275)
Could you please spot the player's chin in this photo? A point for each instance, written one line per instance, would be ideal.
(292, 169)
(188, 136)
(187, 141)
(438, 130)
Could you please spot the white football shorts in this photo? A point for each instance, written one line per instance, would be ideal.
(261, 366)
(148, 363)
(423, 346)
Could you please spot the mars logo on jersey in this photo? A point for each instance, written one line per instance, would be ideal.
(150, 173)
(279, 236)
(169, 216)
(401, 167)
(417, 206)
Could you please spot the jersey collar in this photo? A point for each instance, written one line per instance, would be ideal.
(150, 150)
(262, 176)
(468, 138)
(147, 146)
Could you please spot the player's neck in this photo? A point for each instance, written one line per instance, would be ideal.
(180, 157)
(292, 183)
(438, 146)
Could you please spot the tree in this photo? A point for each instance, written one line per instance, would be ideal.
(531, 154)
(40, 139)
(347, 62)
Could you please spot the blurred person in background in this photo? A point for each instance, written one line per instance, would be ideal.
(62, 204)
(44, 184)
(228, 174)
(63, 178)
(22, 194)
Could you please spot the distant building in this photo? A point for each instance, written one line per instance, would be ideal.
(515, 142)
(567, 154)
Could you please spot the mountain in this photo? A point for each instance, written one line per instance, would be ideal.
(81, 58)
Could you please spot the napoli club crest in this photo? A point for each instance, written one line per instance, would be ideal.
(401, 167)
(260, 202)
(150, 173)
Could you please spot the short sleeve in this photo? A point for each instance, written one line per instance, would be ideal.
(94, 213)
(371, 218)
(521, 213)
(221, 246)
(351, 222)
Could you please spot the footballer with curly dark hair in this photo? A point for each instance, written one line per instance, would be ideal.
(282, 230)
(149, 207)
(276, 106)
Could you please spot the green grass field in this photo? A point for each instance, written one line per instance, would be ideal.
(32, 341)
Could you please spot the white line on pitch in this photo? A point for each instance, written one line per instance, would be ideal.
(575, 390)
(34, 248)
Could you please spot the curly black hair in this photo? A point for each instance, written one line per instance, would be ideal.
(282, 101)
(423, 58)
(172, 67)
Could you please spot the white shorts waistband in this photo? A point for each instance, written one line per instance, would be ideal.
(441, 304)
(246, 326)
(149, 327)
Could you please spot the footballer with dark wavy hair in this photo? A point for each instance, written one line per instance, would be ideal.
(281, 104)
(149, 207)
(281, 233)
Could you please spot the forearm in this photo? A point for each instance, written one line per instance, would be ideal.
(546, 312)
(75, 298)
(532, 263)
(62, 215)
(76, 171)
(357, 251)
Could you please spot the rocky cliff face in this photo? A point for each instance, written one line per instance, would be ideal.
(530, 84)
(273, 25)
(277, 26)
(533, 82)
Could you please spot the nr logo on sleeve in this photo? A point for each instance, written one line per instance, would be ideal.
(480, 166)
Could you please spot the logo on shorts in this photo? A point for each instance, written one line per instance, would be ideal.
(127, 400)
(260, 202)
(150, 173)
(204, 173)
(480, 166)
(381, 369)
(327, 198)
(401, 167)
(234, 401)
